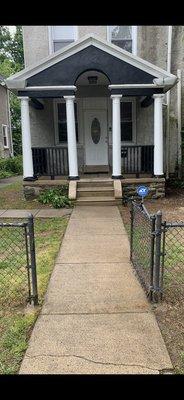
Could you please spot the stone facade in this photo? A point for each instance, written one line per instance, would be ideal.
(156, 188)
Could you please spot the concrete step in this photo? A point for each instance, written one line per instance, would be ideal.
(94, 183)
(95, 191)
(96, 168)
(98, 201)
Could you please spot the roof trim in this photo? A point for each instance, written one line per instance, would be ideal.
(80, 45)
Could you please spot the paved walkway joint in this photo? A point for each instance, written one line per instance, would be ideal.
(96, 318)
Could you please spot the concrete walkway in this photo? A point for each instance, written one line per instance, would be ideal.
(95, 318)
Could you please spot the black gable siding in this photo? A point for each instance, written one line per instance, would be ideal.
(67, 71)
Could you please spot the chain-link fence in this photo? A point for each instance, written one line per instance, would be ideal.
(173, 261)
(157, 253)
(18, 281)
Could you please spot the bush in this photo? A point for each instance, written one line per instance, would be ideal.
(57, 197)
(10, 166)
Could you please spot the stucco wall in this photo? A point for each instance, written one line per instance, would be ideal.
(36, 43)
(101, 31)
(4, 119)
(42, 125)
(152, 46)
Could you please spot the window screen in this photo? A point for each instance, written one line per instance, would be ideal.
(5, 135)
(62, 36)
(121, 36)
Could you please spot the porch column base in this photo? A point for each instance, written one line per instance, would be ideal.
(117, 176)
(30, 178)
(73, 178)
(158, 176)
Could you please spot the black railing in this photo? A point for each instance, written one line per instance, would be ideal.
(137, 159)
(51, 161)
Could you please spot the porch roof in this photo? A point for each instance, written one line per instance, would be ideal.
(90, 53)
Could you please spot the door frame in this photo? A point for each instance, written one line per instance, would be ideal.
(84, 139)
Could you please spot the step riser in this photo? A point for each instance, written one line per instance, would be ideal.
(98, 203)
(94, 184)
(95, 193)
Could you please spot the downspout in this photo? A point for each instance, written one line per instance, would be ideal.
(9, 123)
(169, 46)
(179, 121)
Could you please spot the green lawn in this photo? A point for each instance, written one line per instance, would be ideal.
(16, 320)
(12, 196)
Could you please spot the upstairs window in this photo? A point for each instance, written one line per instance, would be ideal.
(124, 37)
(5, 136)
(62, 122)
(61, 36)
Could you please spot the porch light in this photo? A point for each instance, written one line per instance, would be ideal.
(92, 80)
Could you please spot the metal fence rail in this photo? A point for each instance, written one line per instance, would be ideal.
(18, 279)
(157, 253)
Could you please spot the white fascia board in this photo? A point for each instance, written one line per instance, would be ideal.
(16, 84)
(81, 44)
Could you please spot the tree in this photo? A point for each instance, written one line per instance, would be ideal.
(12, 61)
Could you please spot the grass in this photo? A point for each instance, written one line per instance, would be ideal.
(12, 196)
(17, 321)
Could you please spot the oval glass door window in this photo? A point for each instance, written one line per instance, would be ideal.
(95, 130)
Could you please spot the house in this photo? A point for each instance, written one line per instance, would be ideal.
(93, 101)
(6, 144)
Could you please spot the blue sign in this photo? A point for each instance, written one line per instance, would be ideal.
(142, 191)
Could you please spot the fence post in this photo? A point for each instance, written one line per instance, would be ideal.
(131, 229)
(153, 218)
(158, 232)
(33, 259)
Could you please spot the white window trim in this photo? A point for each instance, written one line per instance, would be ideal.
(7, 138)
(134, 133)
(56, 133)
(51, 41)
(134, 38)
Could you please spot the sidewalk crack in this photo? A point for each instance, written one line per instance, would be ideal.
(93, 361)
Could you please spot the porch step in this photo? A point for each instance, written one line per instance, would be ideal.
(94, 183)
(97, 201)
(94, 169)
(95, 191)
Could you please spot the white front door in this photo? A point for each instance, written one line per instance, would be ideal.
(96, 145)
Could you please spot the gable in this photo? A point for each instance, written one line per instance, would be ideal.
(66, 71)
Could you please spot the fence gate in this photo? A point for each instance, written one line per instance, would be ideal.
(157, 253)
(18, 278)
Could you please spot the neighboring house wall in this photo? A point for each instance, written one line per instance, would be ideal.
(5, 120)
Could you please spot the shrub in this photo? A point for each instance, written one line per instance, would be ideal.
(12, 166)
(57, 197)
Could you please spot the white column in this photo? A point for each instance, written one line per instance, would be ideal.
(158, 134)
(26, 139)
(116, 136)
(71, 136)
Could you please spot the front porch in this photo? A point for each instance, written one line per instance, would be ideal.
(92, 107)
